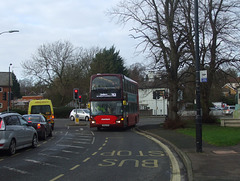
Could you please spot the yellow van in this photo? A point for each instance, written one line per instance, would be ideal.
(44, 107)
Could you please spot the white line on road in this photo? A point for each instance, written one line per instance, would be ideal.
(71, 146)
(53, 156)
(40, 163)
(16, 170)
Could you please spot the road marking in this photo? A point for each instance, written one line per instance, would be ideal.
(86, 159)
(93, 140)
(94, 153)
(16, 170)
(67, 151)
(100, 148)
(54, 156)
(41, 163)
(70, 146)
(59, 176)
(176, 175)
(80, 142)
(73, 168)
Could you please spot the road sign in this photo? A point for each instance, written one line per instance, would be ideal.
(203, 76)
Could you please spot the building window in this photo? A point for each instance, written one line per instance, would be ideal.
(1, 89)
(1, 105)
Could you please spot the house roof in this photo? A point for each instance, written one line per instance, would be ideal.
(4, 79)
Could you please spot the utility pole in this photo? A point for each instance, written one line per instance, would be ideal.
(198, 103)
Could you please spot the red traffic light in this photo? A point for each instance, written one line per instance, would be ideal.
(75, 93)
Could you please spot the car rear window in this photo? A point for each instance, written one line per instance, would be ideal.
(35, 119)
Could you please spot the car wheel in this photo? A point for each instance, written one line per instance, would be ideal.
(86, 118)
(12, 147)
(34, 141)
(72, 118)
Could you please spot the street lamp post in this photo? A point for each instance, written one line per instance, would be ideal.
(9, 89)
(9, 86)
(198, 102)
(10, 31)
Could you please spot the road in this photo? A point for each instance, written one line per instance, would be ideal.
(81, 153)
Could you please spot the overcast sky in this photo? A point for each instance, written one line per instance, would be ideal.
(82, 22)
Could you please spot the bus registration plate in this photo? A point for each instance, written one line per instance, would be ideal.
(106, 125)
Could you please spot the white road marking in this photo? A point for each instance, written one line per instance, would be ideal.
(40, 163)
(16, 170)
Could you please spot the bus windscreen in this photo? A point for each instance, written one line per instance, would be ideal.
(106, 82)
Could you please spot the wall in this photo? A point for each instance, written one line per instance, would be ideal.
(4, 102)
(159, 106)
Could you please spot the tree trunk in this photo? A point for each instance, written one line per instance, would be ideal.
(173, 98)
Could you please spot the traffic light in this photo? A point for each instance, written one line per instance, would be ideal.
(154, 94)
(4, 96)
(80, 99)
(75, 93)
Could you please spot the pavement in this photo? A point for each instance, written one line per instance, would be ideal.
(212, 164)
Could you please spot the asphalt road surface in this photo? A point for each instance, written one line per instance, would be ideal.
(81, 153)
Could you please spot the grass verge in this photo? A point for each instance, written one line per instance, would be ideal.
(215, 134)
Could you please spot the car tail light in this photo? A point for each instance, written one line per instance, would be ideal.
(38, 126)
(2, 125)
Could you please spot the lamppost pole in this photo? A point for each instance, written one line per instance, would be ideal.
(198, 102)
(9, 88)
(10, 31)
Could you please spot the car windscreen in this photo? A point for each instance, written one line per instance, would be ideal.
(41, 109)
(106, 82)
(106, 108)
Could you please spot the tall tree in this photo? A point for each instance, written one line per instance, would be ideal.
(137, 72)
(16, 86)
(108, 61)
(162, 29)
(219, 43)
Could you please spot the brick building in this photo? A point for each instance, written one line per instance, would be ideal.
(4, 89)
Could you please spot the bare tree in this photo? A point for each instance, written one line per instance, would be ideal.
(49, 65)
(219, 43)
(162, 28)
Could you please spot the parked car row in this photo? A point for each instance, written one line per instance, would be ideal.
(17, 131)
(227, 110)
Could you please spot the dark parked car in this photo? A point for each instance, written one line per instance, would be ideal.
(41, 124)
(16, 133)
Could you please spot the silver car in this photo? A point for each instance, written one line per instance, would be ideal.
(83, 114)
(228, 110)
(16, 133)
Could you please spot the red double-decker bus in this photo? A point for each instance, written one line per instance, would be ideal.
(113, 101)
